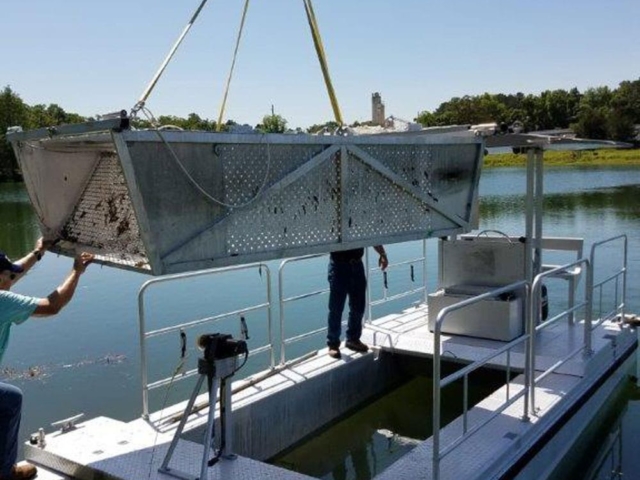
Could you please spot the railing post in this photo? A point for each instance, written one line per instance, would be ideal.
(269, 317)
(528, 348)
(436, 396)
(281, 311)
(624, 277)
(534, 305)
(588, 316)
(143, 352)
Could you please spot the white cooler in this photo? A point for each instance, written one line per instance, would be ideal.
(471, 267)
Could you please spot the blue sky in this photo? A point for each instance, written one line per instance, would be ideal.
(94, 57)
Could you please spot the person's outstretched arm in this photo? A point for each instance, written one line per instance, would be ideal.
(30, 259)
(61, 295)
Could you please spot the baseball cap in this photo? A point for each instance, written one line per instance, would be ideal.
(5, 264)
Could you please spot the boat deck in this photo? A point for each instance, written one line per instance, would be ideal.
(408, 333)
(135, 450)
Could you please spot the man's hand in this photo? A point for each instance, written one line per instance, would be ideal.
(42, 244)
(61, 295)
(383, 261)
(81, 261)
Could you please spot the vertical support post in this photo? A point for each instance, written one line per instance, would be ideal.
(436, 397)
(539, 208)
(529, 215)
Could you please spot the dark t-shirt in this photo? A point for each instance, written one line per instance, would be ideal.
(347, 255)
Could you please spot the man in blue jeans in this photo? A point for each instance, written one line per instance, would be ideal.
(16, 309)
(347, 278)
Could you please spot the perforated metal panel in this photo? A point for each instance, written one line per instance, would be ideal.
(288, 218)
(376, 206)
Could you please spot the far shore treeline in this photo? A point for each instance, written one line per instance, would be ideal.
(596, 113)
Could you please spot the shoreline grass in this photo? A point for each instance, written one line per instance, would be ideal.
(604, 157)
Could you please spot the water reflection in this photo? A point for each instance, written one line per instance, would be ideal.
(362, 445)
(18, 225)
(623, 201)
(606, 450)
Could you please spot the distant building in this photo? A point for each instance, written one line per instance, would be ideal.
(377, 109)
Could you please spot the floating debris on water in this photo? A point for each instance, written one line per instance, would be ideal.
(39, 372)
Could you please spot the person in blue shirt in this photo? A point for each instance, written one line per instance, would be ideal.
(15, 309)
(347, 278)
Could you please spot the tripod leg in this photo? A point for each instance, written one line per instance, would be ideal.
(209, 432)
(174, 442)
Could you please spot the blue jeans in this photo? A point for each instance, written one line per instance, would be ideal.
(346, 279)
(10, 412)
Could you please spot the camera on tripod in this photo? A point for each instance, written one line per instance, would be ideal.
(217, 365)
(218, 346)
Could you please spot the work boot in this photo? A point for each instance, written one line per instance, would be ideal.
(334, 352)
(356, 346)
(24, 471)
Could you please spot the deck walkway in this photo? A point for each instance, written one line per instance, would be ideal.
(408, 333)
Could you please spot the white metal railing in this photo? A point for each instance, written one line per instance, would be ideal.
(536, 324)
(439, 383)
(283, 301)
(619, 276)
(524, 345)
(421, 289)
(145, 335)
(533, 326)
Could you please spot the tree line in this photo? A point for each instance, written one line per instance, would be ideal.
(597, 113)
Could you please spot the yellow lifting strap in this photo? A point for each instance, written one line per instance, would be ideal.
(317, 41)
(233, 64)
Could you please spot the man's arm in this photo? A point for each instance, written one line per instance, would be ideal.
(30, 259)
(383, 261)
(61, 295)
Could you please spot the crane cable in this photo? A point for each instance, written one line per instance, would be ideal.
(317, 42)
(322, 58)
(233, 64)
(143, 99)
